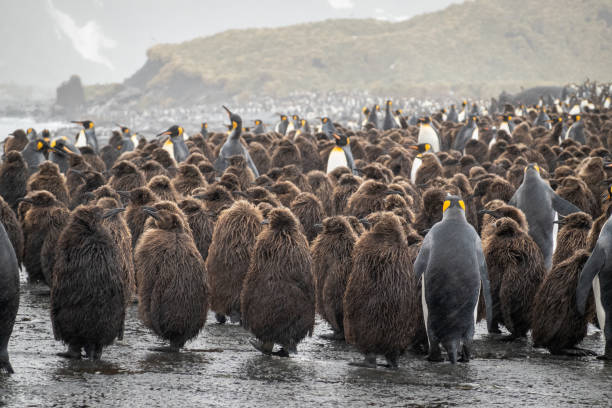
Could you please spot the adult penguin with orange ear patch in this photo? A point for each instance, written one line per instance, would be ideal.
(332, 262)
(277, 301)
(233, 147)
(539, 203)
(228, 257)
(452, 266)
(516, 270)
(379, 294)
(87, 303)
(171, 276)
(175, 144)
(341, 154)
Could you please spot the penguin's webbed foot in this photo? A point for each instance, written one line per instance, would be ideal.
(73, 353)
(281, 353)
(368, 362)
(265, 348)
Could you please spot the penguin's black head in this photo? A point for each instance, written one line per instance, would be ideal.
(173, 131)
(453, 202)
(464, 103)
(204, 126)
(388, 103)
(87, 124)
(506, 118)
(125, 130)
(257, 122)
(366, 110)
(46, 135)
(576, 118)
(341, 139)
(58, 145)
(607, 195)
(325, 119)
(295, 117)
(283, 118)
(235, 119)
(532, 166)
(421, 148)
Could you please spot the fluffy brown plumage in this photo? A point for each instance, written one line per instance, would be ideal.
(229, 255)
(49, 178)
(341, 193)
(171, 275)
(309, 211)
(332, 262)
(572, 236)
(13, 229)
(556, 324)
(134, 215)
(13, 178)
(368, 199)
(87, 303)
(516, 269)
(187, 179)
(126, 176)
(278, 298)
(164, 188)
(379, 294)
(201, 223)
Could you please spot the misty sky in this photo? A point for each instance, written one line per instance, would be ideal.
(45, 41)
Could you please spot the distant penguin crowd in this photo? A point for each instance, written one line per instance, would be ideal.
(400, 235)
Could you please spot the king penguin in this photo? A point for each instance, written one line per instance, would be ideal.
(366, 114)
(428, 134)
(418, 161)
(462, 116)
(576, 131)
(507, 124)
(34, 154)
(61, 149)
(452, 115)
(233, 147)
(89, 133)
(597, 273)
(128, 139)
(542, 119)
(328, 128)
(341, 154)
(204, 130)
(452, 266)
(294, 124)
(281, 126)
(175, 140)
(373, 116)
(259, 127)
(540, 204)
(389, 121)
(467, 132)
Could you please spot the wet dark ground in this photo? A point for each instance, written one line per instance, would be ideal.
(220, 368)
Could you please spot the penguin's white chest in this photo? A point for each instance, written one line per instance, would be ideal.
(169, 147)
(504, 126)
(337, 158)
(428, 135)
(555, 231)
(81, 140)
(601, 313)
(475, 133)
(424, 303)
(416, 164)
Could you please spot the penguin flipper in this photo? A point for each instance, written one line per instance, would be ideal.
(422, 259)
(250, 163)
(349, 158)
(562, 206)
(591, 268)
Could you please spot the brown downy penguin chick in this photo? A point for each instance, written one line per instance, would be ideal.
(187, 179)
(238, 167)
(294, 174)
(36, 224)
(572, 235)
(379, 293)
(257, 195)
(285, 191)
(106, 191)
(208, 172)
(430, 213)
(12, 228)
(50, 179)
(578, 193)
(308, 210)
(322, 187)
(229, 255)
(84, 192)
(15, 141)
(126, 176)
(164, 189)
(516, 268)
(171, 276)
(278, 297)
(57, 218)
(368, 198)
(168, 206)
(556, 324)
(429, 169)
(87, 303)
(134, 215)
(200, 222)
(337, 173)
(355, 224)
(75, 179)
(120, 233)
(151, 168)
(347, 185)
(332, 262)
(216, 198)
(260, 157)
(286, 153)
(13, 179)
(92, 159)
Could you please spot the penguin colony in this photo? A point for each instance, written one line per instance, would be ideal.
(401, 237)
